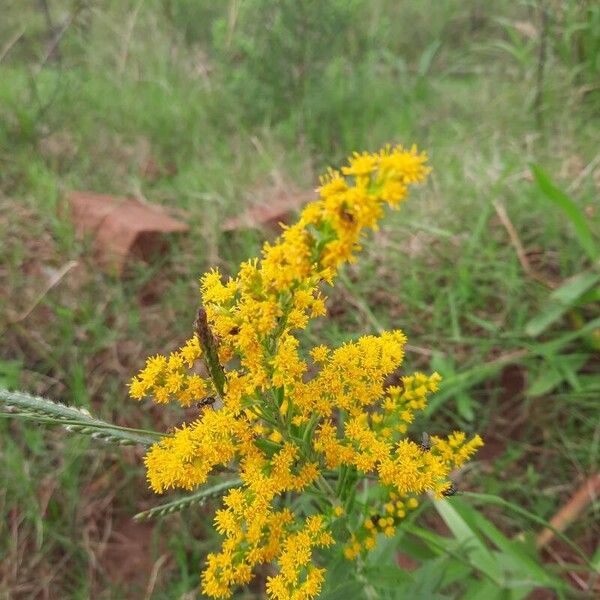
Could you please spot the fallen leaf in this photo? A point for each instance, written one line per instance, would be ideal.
(269, 215)
(122, 228)
(585, 495)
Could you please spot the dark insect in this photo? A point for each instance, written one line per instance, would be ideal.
(234, 330)
(375, 518)
(347, 216)
(425, 444)
(208, 401)
(451, 491)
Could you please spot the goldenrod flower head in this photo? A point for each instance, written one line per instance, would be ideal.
(282, 424)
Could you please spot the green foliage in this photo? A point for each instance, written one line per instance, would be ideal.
(570, 210)
(577, 40)
(277, 53)
(327, 84)
(561, 300)
(474, 560)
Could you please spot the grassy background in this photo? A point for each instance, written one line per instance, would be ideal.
(239, 101)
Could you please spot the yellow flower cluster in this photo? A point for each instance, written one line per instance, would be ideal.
(365, 538)
(169, 378)
(289, 434)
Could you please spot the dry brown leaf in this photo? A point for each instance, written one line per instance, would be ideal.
(269, 215)
(587, 493)
(121, 227)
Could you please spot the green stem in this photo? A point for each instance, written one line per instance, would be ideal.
(341, 481)
(323, 484)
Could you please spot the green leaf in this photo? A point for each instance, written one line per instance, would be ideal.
(415, 549)
(428, 580)
(386, 576)
(348, 589)
(43, 410)
(554, 371)
(561, 300)
(437, 543)
(490, 499)
(427, 57)
(476, 590)
(455, 571)
(523, 564)
(198, 499)
(339, 530)
(464, 404)
(454, 383)
(479, 555)
(10, 373)
(554, 346)
(570, 209)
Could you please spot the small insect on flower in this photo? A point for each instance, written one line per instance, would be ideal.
(451, 491)
(375, 518)
(425, 444)
(347, 216)
(205, 402)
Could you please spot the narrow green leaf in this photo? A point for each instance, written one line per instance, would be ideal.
(464, 404)
(523, 564)
(415, 549)
(478, 553)
(490, 499)
(554, 346)
(561, 300)
(348, 589)
(427, 57)
(569, 208)
(554, 372)
(386, 576)
(437, 543)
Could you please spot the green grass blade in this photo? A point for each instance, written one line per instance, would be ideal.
(562, 300)
(570, 209)
(479, 555)
(524, 562)
(490, 499)
(42, 410)
(555, 346)
(198, 499)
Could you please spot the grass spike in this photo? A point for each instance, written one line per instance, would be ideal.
(73, 419)
(196, 499)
